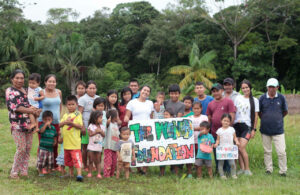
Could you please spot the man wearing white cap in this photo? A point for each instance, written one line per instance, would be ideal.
(273, 108)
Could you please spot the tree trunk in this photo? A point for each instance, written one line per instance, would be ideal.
(158, 64)
(273, 59)
(73, 85)
(235, 45)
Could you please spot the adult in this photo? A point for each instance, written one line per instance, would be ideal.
(134, 86)
(202, 97)
(215, 109)
(52, 102)
(229, 91)
(85, 106)
(273, 108)
(247, 108)
(18, 109)
(140, 109)
(126, 95)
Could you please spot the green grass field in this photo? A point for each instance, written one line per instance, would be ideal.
(259, 183)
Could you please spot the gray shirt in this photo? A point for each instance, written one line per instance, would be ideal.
(176, 107)
(125, 148)
(86, 102)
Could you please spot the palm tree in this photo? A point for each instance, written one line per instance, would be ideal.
(200, 68)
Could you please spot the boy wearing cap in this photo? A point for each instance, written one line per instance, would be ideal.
(215, 109)
(228, 85)
(273, 108)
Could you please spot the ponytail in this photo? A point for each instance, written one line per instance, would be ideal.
(251, 100)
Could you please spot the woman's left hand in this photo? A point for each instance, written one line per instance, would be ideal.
(252, 133)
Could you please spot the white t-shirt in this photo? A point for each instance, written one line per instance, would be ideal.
(196, 123)
(96, 141)
(243, 114)
(226, 136)
(86, 102)
(140, 110)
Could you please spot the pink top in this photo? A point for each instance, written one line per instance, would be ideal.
(96, 141)
(196, 123)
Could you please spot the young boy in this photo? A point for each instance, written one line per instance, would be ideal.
(202, 97)
(35, 95)
(125, 152)
(188, 103)
(71, 124)
(48, 140)
(205, 147)
(159, 107)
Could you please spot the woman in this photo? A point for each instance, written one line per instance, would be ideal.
(247, 108)
(19, 108)
(53, 103)
(126, 95)
(85, 106)
(140, 109)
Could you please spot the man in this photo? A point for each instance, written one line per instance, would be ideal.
(216, 108)
(134, 86)
(228, 85)
(273, 108)
(202, 97)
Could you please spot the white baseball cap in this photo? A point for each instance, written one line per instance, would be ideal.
(272, 82)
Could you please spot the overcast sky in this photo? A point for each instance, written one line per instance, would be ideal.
(36, 10)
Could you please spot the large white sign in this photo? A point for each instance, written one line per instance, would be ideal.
(227, 152)
(163, 141)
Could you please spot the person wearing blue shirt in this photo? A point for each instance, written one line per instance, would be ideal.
(134, 86)
(273, 108)
(202, 97)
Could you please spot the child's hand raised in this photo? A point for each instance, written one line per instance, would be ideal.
(215, 145)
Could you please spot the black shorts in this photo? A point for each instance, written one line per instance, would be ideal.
(242, 130)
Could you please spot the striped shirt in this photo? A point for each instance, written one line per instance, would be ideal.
(47, 138)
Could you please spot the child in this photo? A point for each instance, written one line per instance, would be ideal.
(60, 160)
(96, 134)
(80, 89)
(112, 100)
(47, 141)
(188, 103)
(35, 95)
(168, 113)
(159, 107)
(125, 152)
(226, 136)
(205, 147)
(111, 143)
(126, 95)
(71, 124)
(197, 119)
(100, 105)
(202, 97)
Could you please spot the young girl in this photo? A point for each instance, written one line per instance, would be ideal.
(197, 119)
(96, 134)
(111, 143)
(126, 95)
(112, 100)
(159, 107)
(80, 89)
(100, 105)
(226, 136)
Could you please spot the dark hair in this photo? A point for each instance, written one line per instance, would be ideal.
(199, 83)
(80, 83)
(15, 72)
(116, 105)
(124, 90)
(170, 111)
(205, 124)
(124, 129)
(146, 86)
(49, 76)
(188, 97)
(112, 113)
(197, 103)
(94, 116)
(71, 98)
(98, 101)
(226, 115)
(251, 100)
(174, 88)
(89, 83)
(133, 81)
(47, 113)
(160, 93)
(35, 77)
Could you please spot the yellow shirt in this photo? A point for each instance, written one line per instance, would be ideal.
(71, 135)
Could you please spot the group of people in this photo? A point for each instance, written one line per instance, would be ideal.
(94, 123)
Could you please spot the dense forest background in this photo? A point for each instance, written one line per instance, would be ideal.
(256, 40)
